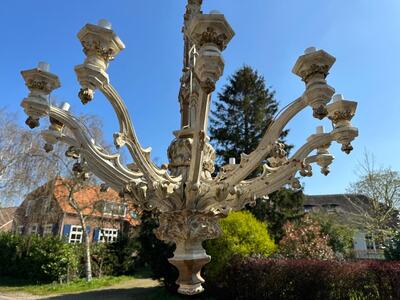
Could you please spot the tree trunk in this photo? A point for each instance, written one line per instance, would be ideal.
(86, 243)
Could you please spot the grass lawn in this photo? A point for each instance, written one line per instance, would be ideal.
(80, 285)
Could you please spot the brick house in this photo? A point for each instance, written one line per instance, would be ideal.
(349, 209)
(6, 218)
(46, 211)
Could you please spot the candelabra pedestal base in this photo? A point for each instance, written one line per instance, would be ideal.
(188, 229)
(189, 279)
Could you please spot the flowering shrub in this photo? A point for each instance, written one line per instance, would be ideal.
(304, 239)
(252, 278)
(242, 234)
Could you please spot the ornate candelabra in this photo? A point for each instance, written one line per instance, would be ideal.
(185, 192)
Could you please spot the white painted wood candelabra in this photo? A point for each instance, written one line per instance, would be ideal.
(186, 192)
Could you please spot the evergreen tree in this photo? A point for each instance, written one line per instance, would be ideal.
(245, 108)
(243, 111)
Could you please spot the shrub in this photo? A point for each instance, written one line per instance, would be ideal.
(340, 234)
(48, 259)
(392, 249)
(242, 234)
(37, 259)
(304, 239)
(252, 278)
(123, 255)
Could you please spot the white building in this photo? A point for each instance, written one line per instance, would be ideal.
(350, 209)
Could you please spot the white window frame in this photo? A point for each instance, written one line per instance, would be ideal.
(20, 229)
(369, 242)
(308, 208)
(28, 208)
(48, 229)
(115, 207)
(330, 208)
(46, 204)
(108, 235)
(33, 229)
(75, 234)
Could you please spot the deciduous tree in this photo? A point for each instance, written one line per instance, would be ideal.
(378, 202)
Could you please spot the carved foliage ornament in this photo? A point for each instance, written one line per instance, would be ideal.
(32, 122)
(320, 112)
(209, 158)
(38, 85)
(338, 116)
(193, 226)
(314, 69)
(86, 95)
(208, 85)
(95, 46)
(210, 36)
(179, 152)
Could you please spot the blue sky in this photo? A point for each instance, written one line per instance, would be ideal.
(364, 36)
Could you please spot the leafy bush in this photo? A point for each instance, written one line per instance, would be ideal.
(340, 233)
(304, 239)
(242, 234)
(123, 254)
(37, 259)
(48, 259)
(252, 278)
(392, 249)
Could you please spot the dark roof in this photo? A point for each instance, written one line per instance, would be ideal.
(6, 215)
(350, 203)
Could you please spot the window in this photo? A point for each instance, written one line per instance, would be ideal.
(75, 234)
(369, 242)
(46, 204)
(308, 208)
(34, 229)
(20, 229)
(330, 208)
(47, 229)
(134, 215)
(108, 235)
(28, 208)
(114, 209)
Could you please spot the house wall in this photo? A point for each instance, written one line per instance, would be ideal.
(49, 205)
(93, 225)
(359, 241)
(42, 211)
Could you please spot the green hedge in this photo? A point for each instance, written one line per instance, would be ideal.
(37, 259)
(49, 259)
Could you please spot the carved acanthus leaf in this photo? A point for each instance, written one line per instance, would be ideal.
(188, 226)
(337, 116)
(210, 36)
(92, 45)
